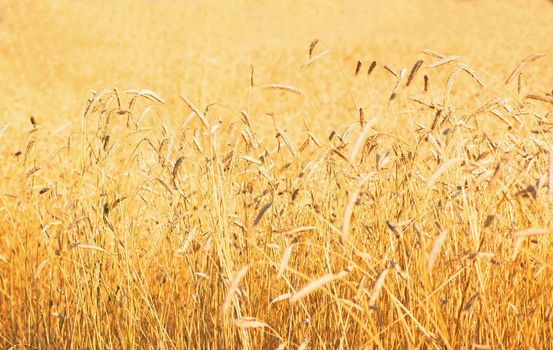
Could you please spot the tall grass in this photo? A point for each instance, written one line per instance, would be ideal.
(419, 217)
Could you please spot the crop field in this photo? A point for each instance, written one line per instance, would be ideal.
(276, 174)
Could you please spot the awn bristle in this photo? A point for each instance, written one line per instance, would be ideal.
(391, 71)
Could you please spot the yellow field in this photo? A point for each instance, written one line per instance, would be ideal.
(229, 175)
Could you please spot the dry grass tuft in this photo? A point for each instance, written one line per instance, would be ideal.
(397, 209)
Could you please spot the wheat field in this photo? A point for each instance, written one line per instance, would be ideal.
(276, 175)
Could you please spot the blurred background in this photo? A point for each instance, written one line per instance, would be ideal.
(52, 53)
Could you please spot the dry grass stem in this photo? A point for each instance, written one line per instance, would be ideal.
(531, 58)
(443, 61)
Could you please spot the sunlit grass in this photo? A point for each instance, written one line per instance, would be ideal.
(206, 175)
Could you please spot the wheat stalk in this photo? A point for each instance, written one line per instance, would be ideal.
(433, 53)
(315, 58)
(443, 61)
(446, 165)
(436, 248)
(358, 67)
(371, 68)
(282, 87)
(317, 284)
(414, 71)
(348, 210)
(472, 73)
(377, 288)
(235, 282)
(531, 58)
(448, 87)
(284, 260)
(540, 98)
(249, 322)
(550, 175)
(196, 111)
(312, 46)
